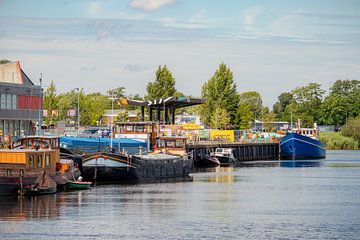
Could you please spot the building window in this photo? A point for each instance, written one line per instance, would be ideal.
(3, 101)
(8, 101)
(14, 102)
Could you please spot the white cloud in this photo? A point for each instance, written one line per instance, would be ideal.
(150, 5)
(251, 13)
(94, 8)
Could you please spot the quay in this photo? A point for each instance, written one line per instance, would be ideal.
(242, 151)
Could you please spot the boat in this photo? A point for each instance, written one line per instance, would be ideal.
(43, 185)
(302, 143)
(77, 185)
(225, 156)
(21, 167)
(205, 160)
(168, 160)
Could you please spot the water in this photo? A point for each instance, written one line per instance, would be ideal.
(258, 201)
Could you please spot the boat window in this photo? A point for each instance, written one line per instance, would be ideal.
(129, 128)
(311, 132)
(47, 160)
(31, 160)
(160, 143)
(46, 143)
(219, 150)
(55, 143)
(180, 143)
(170, 144)
(39, 161)
(28, 143)
(139, 129)
(36, 142)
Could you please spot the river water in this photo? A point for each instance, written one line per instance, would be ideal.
(262, 200)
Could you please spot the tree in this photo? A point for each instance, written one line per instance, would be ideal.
(279, 107)
(92, 108)
(163, 86)
(122, 116)
(50, 103)
(117, 93)
(4, 61)
(342, 103)
(244, 117)
(219, 92)
(253, 100)
(220, 119)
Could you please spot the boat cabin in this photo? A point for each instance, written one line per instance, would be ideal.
(33, 155)
(137, 130)
(224, 152)
(171, 144)
(308, 132)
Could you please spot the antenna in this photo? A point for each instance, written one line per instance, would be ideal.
(40, 106)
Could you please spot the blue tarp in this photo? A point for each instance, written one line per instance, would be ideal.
(102, 144)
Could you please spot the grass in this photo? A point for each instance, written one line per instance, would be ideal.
(336, 141)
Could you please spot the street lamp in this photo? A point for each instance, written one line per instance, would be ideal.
(78, 110)
(112, 120)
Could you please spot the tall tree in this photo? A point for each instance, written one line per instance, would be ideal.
(220, 119)
(163, 86)
(118, 92)
(244, 117)
(219, 92)
(253, 100)
(279, 107)
(50, 103)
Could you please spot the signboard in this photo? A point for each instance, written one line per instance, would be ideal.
(71, 113)
(191, 126)
(222, 135)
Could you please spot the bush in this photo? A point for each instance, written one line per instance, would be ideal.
(335, 141)
(352, 129)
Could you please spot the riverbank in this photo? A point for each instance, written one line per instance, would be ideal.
(336, 141)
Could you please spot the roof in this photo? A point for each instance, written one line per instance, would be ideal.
(170, 102)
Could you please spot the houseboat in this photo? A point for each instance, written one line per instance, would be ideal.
(34, 163)
(168, 160)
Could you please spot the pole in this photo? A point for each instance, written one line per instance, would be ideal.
(78, 111)
(164, 112)
(111, 123)
(40, 106)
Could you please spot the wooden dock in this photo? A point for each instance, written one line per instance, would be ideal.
(242, 151)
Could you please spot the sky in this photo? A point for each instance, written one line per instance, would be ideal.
(270, 46)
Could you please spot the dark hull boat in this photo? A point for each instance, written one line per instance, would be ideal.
(296, 146)
(204, 160)
(225, 156)
(107, 167)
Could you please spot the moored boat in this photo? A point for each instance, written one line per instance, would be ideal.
(20, 168)
(169, 160)
(302, 143)
(205, 160)
(224, 155)
(77, 185)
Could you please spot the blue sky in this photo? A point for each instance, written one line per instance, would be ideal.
(271, 46)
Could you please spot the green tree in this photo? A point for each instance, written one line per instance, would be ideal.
(244, 117)
(253, 100)
(4, 61)
(219, 92)
(163, 86)
(92, 108)
(50, 103)
(279, 107)
(220, 119)
(122, 116)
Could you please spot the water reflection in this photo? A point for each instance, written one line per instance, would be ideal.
(301, 163)
(24, 207)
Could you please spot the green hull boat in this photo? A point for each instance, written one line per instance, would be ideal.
(77, 185)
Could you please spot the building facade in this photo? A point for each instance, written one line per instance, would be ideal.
(20, 102)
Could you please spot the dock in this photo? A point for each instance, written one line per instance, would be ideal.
(242, 151)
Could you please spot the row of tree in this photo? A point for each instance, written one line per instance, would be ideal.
(224, 107)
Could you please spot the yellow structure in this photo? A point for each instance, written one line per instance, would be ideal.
(222, 135)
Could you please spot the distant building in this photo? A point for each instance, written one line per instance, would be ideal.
(20, 101)
(259, 125)
(106, 118)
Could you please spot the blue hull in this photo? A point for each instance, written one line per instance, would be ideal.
(296, 146)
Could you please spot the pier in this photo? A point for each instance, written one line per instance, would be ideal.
(242, 151)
